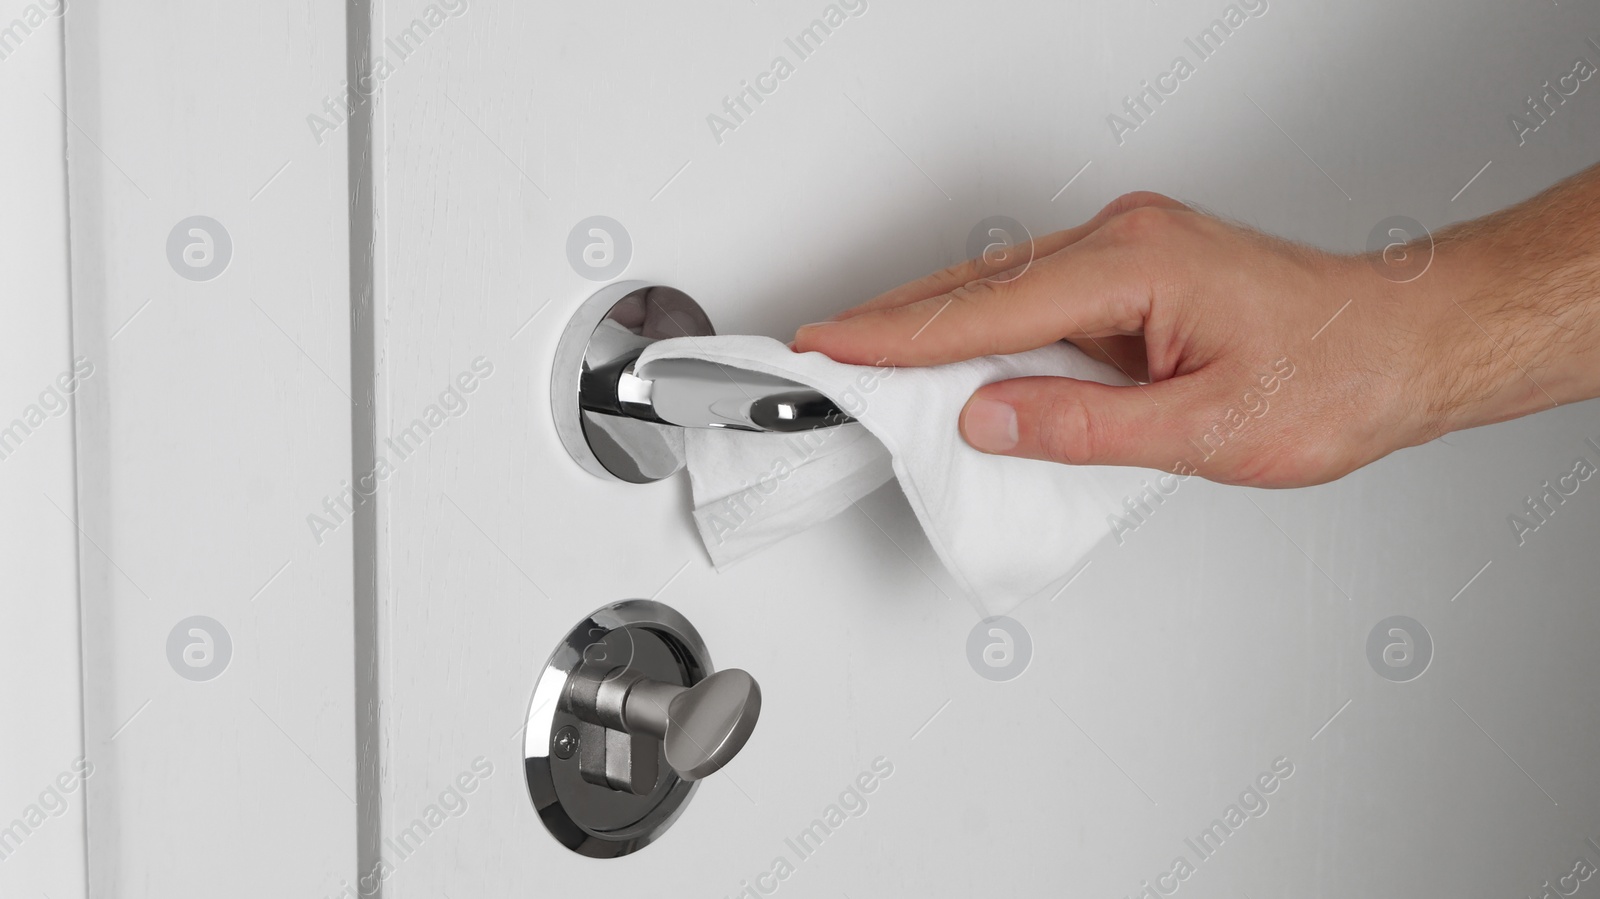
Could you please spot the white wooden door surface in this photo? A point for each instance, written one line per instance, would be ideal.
(211, 291)
(277, 680)
(42, 751)
(1225, 637)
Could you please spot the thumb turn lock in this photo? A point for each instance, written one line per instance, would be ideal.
(626, 719)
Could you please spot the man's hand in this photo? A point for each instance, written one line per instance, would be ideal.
(1260, 361)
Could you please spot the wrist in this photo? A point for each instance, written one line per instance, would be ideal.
(1503, 332)
(1424, 340)
(1465, 377)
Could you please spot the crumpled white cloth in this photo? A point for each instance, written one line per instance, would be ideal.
(1005, 528)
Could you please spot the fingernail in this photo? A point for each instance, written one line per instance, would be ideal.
(990, 425)
(817, 324)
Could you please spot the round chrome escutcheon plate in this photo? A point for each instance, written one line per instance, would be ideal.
(614, 323)
(592, 820)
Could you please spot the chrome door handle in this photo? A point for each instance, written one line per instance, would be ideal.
(618, 424)
(693, 393)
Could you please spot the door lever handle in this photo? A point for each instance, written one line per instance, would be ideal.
(619, 424)
(694, 393)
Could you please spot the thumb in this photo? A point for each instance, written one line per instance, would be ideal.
(1084, 422)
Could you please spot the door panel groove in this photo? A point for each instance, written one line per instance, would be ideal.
(363, 444)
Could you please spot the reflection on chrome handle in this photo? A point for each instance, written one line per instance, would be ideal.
(694, 393)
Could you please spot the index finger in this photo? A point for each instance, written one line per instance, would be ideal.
(1090, 288)
(948, 279)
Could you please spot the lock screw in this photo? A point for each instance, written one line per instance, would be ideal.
(565, 742)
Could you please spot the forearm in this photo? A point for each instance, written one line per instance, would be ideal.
(1510, 310)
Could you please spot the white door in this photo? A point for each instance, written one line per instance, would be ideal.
(210, 292)
(1212, 665)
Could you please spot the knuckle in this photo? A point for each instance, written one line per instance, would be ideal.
(1139, 198)
(1141, 225)
(966, 272)
(1310, 457)
(978, 292)
(1068, 432)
